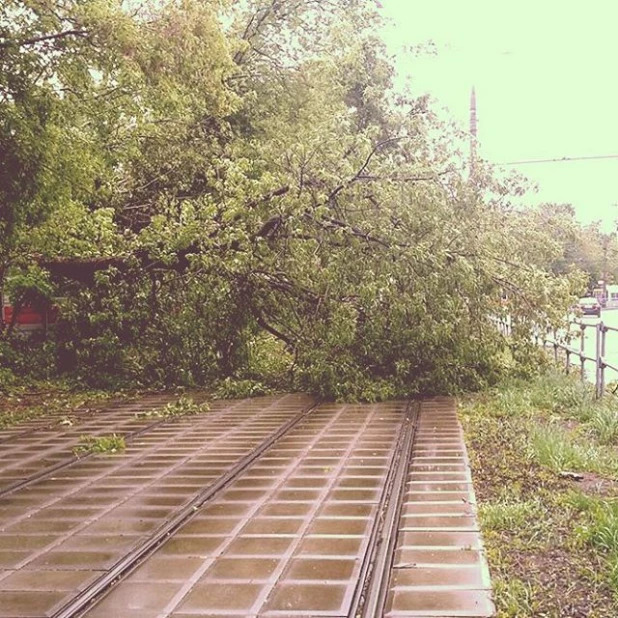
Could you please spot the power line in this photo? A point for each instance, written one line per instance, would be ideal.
(561, 160)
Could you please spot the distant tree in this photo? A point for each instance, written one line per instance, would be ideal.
(580, 247)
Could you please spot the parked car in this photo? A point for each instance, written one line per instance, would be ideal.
(589, 306)
(28, 319)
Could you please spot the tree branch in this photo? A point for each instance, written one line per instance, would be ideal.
(364, 166)
(269, 196)
(430, 177)
(353, 231)
(43, 38)
(271, 329)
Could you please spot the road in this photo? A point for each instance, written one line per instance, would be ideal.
(609, 317)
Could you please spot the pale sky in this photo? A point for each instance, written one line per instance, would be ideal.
(546, 78)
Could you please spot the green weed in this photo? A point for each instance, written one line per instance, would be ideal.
(508, 514)
(231, 388)
(604, 424)
(601, 527)
(184, 406)
(577, 501)
(103, 444)
(550, 392)
(558, 393)
(515, 598)
(552, 551)
(512, 402)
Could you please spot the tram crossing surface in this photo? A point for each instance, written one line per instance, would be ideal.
(275, 506)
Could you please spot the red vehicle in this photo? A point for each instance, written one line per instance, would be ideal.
(28, 318)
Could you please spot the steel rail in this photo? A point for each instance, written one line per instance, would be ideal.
(44, 473)
(85, 599)
(371, 592)
(48, 422)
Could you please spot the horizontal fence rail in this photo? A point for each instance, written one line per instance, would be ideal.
(561, 341)
(598, 357)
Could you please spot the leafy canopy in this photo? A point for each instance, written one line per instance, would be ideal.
(223, 189)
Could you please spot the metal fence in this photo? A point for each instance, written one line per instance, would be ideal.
(577, 356)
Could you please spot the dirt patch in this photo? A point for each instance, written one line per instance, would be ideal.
(568, 589)
(594, 485)
(538, 567)
(498, 454)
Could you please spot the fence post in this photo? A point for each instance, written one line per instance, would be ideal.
(568, 361)
(601, 361)
(555, 353)
(582, 347)
(597, 380)
(555, 346)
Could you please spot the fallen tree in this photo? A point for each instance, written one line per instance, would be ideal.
(239, 192)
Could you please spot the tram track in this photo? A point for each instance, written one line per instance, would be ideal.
(49, 422)
(80, 603)
(213, 417)
(371, 587)
(73, 459)
(300, 510)
(227, 434)
(372, 590)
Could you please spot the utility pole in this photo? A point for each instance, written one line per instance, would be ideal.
(607, 240)
(604, 275)
(473, 134)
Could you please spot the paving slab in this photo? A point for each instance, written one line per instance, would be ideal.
(291, 536)
(42, 445)
(56, 417)
(73, 525)
(439, 568)
(293, 545)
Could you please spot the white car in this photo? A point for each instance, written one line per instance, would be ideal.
(589, 306)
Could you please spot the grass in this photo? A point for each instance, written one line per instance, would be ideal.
(517, 597)
(184, 406)
(544, 459)
(604, 423)
(561, 450)
(506, 514)
(232, 388)
(102, 444)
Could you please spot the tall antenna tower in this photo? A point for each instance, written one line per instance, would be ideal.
(473, 133)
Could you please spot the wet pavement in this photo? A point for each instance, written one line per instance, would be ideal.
(40, 446)
(263, 507)
(87, 516)
(57, 416)
(439, 567)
